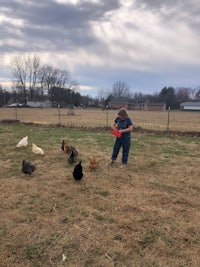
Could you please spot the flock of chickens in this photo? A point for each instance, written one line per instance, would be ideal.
(29, 168)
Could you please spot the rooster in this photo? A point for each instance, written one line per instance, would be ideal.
(28, 167)
(23, 142)
(37, 150)
(65, 147)
(78, 172)
(93, 163)
(69, 149)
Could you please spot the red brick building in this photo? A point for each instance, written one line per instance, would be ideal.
(119, 102)
(125, 102)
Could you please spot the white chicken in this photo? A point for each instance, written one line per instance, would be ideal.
(37, 150)
(23, 142)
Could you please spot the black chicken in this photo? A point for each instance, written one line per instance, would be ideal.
(28, 167)
(78, 172)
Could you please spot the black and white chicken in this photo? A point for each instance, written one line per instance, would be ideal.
(78, 172)
(28, 167)
(72, 157)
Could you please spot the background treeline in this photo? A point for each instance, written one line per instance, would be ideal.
(35, 81)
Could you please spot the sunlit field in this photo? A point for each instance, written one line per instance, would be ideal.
(154, 120)
(146, 214)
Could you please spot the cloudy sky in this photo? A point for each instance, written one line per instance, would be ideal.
(148, 44)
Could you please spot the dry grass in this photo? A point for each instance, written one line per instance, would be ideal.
(178, 120)
(146, 214)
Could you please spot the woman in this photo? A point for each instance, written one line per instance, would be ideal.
(125, 126)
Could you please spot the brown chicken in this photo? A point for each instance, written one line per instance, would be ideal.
(65, 147)
(93, 163)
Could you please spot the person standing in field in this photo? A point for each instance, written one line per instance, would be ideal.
(124, 126)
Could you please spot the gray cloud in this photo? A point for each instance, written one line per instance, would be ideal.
(47, 20)
(128, 39)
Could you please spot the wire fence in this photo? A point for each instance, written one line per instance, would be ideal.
(170, 120)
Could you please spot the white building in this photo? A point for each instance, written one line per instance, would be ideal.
(39, 104)
(190, 106)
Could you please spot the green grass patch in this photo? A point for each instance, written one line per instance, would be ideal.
(142, 215)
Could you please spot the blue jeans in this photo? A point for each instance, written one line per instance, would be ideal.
(125, 143)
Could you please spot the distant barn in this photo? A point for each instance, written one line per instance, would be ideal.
(193, 106)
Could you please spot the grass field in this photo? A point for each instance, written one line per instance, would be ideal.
(146, 214)
(153, 120)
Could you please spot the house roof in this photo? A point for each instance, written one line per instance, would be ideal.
(156, 104)
(194, 104)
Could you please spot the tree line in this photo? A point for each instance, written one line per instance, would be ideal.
(35, 81)
(173, 97)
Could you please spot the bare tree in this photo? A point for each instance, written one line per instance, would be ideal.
(197, 94)
(183, 94)
(103, 94)
(51, 77)
(19, 70)
(120, 89)
(47, 76)
(33, 67)
(31, 75)
(25, 69)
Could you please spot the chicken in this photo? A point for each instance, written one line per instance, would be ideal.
(72, 157)
(65, 147)
(93, 164)
(37, 150)
(28, 167)
(78, 172)
(23, 142)
(69, 149)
